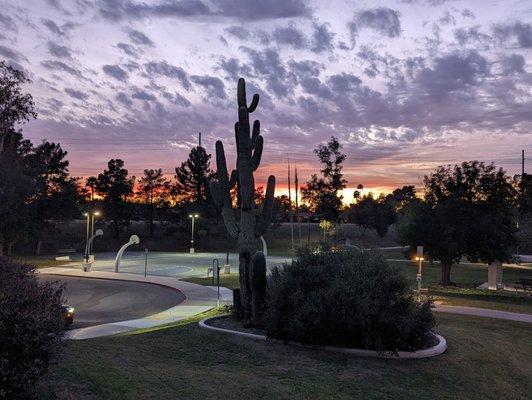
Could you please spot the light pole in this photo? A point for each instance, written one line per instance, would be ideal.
(193, 217)
(94, 214)
(419, 258)
(87, 238)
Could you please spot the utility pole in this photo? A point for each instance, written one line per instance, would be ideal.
(290, 207)
(522, 164)
(199, 139)
(297, 209)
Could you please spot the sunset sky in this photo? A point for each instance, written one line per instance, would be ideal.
(405, 85)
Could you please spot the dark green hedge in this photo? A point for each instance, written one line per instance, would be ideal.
(347, 298)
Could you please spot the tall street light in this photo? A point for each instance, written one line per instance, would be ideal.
(90, 231)
(87, 237)
(193, 217)
(94, 214)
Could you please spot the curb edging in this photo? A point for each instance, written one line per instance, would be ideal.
(433, 351)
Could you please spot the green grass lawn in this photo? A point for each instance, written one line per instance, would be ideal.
(467, 277)
(488, 359)
(41, 261)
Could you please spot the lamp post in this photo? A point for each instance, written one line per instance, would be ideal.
(193, 217)
(419, 258)
(87, 237)
(94, 214)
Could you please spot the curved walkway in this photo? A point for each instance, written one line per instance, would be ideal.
(198, 299)
(485, 312)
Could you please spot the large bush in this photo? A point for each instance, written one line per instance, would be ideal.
(346, 298)
(31, 326)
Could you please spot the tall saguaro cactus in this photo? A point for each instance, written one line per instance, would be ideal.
(249, 226)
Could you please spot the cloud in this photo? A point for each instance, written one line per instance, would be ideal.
(214, 86)
(322, 38)
(472, 35)
(143, 95)
(7, 23)
(383, 20)
(238, 31)
(176, 98)
(140, 38)
(514, 63)
(522, 32)
(12, 54)
(454, 73)
(162, 68)
(124, 99)
(290, 36)
(235, 9)
(267, 65)
(62, 30)
(58, 51)
(116, 72)
(76, 94)
(128, 49)
(61, 66)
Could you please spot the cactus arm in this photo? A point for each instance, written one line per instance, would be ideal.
(266, 216)
(257, 153)
(241, 96)
(255, 134)
(254, 103)
(234, 179)
(222, 191)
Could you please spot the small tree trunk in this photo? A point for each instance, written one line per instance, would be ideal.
(151, 221)
(38, 249)
(446, 274)
(10, 249)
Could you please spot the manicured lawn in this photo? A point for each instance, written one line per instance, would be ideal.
(228, 281)
(41, 261)
(466, 276)
(486, 359)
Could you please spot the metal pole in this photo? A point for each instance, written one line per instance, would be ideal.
(87, 240)
(145, 262)
(419, 276)
(92, 232)
(192, 239)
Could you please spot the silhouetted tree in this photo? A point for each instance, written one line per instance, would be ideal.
(322, 193)
(115, 186)
(16, 185)
(373, 213)
(193, 178)
(16, 107)
(469, 210)
(90, 184)
(153, 188)
(54, 197)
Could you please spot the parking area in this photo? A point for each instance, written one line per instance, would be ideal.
(100, 301)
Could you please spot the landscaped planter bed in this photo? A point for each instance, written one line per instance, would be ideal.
(229, 324)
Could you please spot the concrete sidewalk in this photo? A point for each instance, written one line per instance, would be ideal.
(484, 312)
(199, 299)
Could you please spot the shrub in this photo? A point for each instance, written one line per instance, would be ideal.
(31, 326)
(348, 298)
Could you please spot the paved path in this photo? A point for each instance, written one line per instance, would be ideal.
(484, 312)
(198, 299)
(100, 301)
